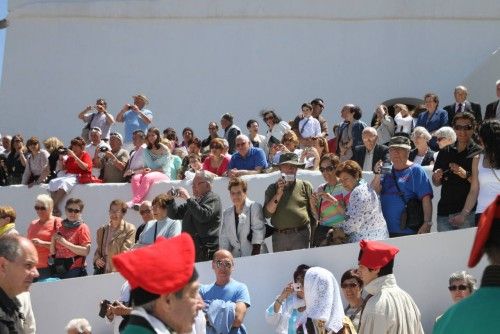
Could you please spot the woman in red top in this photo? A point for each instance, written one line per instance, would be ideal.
(216, 162)
(75, 166)
(71, 243)
(41, 230)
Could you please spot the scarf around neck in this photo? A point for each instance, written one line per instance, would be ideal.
(68, 224)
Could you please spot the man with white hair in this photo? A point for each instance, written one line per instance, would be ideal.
(493, 109)
(368, 154)
(462, 104)
(247, 160)
(112, 162)
(201, 214)
(92, 148)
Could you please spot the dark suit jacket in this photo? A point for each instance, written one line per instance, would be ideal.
(491, 110)
(380, 152)
(428, 157)
(473, 108)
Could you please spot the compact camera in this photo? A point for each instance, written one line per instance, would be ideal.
(62, 150)
(386, 168)
(103, 149)
(296, 287)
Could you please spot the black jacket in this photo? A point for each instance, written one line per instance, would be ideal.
(380, 152)
(428, 157)
(491, 110)
(473, 108)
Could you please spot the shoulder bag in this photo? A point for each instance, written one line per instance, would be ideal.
(412, 216)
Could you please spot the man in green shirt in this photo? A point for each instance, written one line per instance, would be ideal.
(479, 313)
(287, 204)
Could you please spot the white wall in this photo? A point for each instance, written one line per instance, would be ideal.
(197, 60)
(422, 268)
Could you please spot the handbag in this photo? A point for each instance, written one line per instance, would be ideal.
(97, 270)
(269, 229)
(412, 216)
(60, 266)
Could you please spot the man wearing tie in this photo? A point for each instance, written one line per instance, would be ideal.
(462, 104)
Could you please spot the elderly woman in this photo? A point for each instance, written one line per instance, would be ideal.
(161, 226)
(113, 238)
(384, 125)
(217, 161)
(289, 143)
(453, 171)
(7, 221)
(403, 119)
(70, 245)
(421, 155)
(158, 164)
(16, 160)
(328, 200)
(41, 231)
(78, 326)
(243, 228)
(364, 218)
(276, 127)
(75, 166)
(433, 118)
(52, 144)
(461, 285)
(285, 310)
(445, 137)
(37, 166)
(350, 131)
(352, 287)
(323, 303)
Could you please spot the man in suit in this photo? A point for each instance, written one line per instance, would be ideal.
(493, 109)
(462, 104)
(368, 154)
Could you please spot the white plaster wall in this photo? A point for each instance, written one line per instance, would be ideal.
(197, 60)
(422, 268)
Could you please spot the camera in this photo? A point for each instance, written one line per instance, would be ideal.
(62, 150)
(386, 168)
(103, 149)
(174, 192)
(103, 308)
(296, 287)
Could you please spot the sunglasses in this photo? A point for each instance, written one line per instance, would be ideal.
(463, 127)
(219, 264)
(326, 169)
(348, 285)
(40, 208)
(70, 210)
(460, 287)
(144, 211)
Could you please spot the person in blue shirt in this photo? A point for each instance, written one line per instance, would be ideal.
(135, 117)
(433, 118)
(247, 160)
(225, 289)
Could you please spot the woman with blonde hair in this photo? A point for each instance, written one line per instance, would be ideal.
(7, 221)
(41, 230)
(52, 144)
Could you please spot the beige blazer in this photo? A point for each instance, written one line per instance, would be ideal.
(121, 242)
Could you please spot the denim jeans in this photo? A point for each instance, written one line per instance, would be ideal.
(443, 222)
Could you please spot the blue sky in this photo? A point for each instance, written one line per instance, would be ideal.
(3, 32)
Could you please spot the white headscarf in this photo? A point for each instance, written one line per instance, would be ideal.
(322, 296)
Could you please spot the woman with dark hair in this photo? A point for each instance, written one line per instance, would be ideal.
(384, 124)
(486, 169)
(432, 119)
(187, 136)
(350, 131)
(217, 161)
(193, 147)
(364, 218)
(70, 245)
(256, 139)
(285, 310)
(328, 200)
(16, 160)
(75, 166)
(114, 238)
(352, 287)
(157, 167)
(37, 166)
(276, 127)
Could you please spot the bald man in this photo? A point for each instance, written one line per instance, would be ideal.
(226, 289)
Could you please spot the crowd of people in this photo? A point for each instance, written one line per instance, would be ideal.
(461, 147)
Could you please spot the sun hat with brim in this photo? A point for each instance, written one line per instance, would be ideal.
(400, 141)
(142, 97)
(488, 229)
(290, 159)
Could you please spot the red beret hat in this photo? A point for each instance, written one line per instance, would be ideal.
(487, 229)
(163, 267)
(375, 254)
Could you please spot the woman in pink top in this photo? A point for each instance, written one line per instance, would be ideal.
(41, 230)
(216, 162)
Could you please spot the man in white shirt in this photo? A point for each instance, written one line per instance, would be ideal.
(308, 126)
(93, 147)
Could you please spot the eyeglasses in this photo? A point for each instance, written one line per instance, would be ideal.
(463, 127)
(326, 169)
(349, 285)
(219, 264)
(40, 208)
(460, 287)
(70, 210)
